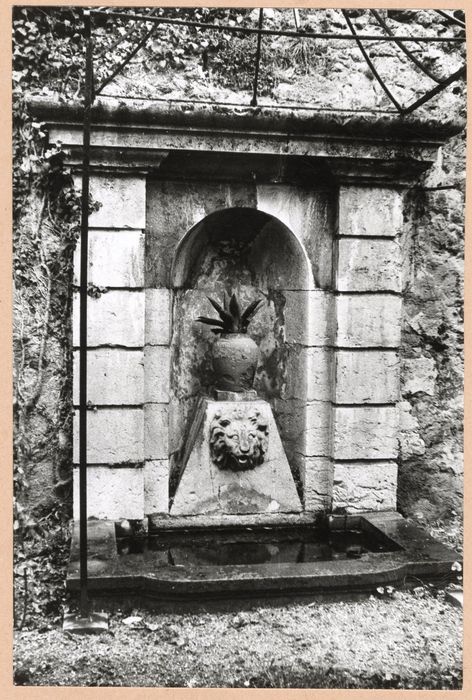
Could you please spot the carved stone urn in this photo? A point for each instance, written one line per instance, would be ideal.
(235, 354)
(235, 358)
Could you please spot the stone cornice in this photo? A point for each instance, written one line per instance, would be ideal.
(354, 147)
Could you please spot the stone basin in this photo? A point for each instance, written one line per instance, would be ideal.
(350, 553)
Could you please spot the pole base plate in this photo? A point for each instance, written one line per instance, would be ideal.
(456, 598)
(95, 623)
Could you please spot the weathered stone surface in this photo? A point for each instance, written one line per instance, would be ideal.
(279, 259)
(114, 436)
(156, 486)
(286, 204)
(304, 211)
(309, 317)
(410, 441)
(319, 367)
(364, 487)
(369, 211)
(245, 139)
(114, 376)
(419, 376)
(368, 320)
(122, 201)
(116, 258)
(235, 358)
(173, 208)
(112, 493)
(306, 426)
(317, 483)
(115, 318)
(318, 431)
(368, 266)
(157, 321)
(206, 488)
(157, 373)
(246, 395)
(367, 376)
(365, 432)
(156, 431)
(431, 438)
(309, 373)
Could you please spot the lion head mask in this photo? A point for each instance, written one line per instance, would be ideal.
(238, 439)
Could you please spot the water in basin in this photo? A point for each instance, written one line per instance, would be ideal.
(255, 546)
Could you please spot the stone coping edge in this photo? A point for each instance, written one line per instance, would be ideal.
(175, 523)
(130, 113)
(421, 557)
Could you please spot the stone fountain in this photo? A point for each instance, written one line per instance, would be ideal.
(303, 211)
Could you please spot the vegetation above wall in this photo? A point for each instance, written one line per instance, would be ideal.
(181, 62)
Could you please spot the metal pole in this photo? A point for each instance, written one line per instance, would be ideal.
(402, 46)
(88, 97)
(370, 64)
(275, 32)
(461, 73)
(130, 55)
(451, 18)
(258, 59)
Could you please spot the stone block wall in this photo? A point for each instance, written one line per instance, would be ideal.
(368, 316)
(339, 412)
(338, 408)
(117, 390)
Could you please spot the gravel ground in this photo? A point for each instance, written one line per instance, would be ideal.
(398, 639)
(413, 639)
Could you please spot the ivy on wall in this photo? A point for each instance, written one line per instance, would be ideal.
(46, 218)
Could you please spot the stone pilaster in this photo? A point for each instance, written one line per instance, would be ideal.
(368, 328)
(115, 355)
(156, 409)
(306, 416)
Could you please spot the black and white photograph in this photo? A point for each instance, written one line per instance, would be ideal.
(238, 270)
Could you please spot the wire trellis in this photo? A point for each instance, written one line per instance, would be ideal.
(261, 32)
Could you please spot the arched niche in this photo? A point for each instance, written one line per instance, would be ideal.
(261, 242)
(257, 256)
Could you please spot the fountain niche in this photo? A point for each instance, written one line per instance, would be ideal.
(304, 212)
(257, 256)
